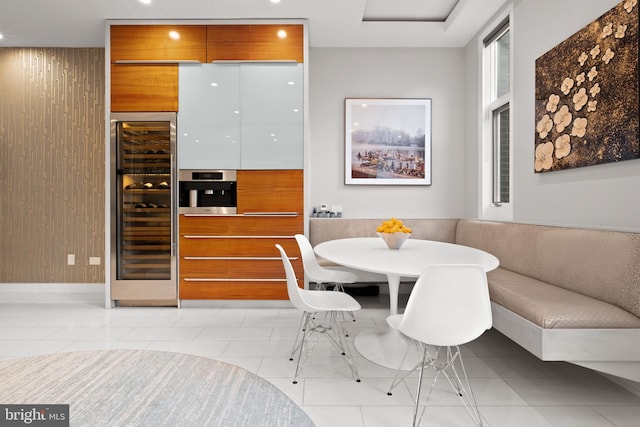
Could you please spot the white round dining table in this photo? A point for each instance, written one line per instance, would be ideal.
(387, 346)
(372, 254)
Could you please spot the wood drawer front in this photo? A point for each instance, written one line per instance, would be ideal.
(246, 290)
(239, 225)
(258, 42)
(222, 246)
(270, 191)
(238, 268)
(144, 87)
(152, 43)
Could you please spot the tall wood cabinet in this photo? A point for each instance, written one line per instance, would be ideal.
(230, 256)
(234, 256)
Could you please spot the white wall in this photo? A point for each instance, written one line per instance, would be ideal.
(603, 196)
(336, 74)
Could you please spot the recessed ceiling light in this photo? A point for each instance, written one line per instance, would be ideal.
(1, 37)
(282, 34)
(174, 35)
(145, 1)
(275, 1)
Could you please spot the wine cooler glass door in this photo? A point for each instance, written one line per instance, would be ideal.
(144, 241)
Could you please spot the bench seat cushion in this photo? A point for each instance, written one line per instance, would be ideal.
(550, 306)
(595, 263)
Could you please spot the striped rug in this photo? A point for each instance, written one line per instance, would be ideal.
(147, 388)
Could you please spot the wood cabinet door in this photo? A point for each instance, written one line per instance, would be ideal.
(259, 42)
(194, 289)
(153, 43)
(270, 191)
(144, 87)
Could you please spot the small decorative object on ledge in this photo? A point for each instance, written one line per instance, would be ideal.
(393, 232)
(587, 95)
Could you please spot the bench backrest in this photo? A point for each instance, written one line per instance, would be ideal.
(323, 229)
(597, 263)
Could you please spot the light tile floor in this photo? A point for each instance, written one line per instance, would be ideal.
(513, 388)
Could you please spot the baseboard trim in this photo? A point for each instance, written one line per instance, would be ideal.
(54, 293)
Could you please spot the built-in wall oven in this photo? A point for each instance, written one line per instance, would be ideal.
(143, 221)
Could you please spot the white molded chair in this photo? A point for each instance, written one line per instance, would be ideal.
(311, 303)
(448, 307)
(318, 274)
(321, 275)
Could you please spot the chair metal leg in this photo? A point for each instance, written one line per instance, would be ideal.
(466, 393)
(306, 331)
(297, 342)
(336, 337)
(446, 368)
(331, 330)
(416, 420)
(461, 387)
(401, 377)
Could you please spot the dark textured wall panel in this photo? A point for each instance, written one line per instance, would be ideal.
(52, 159)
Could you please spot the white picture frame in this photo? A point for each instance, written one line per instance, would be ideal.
(387, 141)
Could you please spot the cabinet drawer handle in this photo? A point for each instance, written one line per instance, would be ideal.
(243, 258)
(270, 213)
(212, 279)
(197, 236)
(209, 215)
(157, 61)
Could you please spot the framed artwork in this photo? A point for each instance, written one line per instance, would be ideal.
(387, 141)
(587, 105)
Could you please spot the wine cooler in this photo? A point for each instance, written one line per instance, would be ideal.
(143, 183)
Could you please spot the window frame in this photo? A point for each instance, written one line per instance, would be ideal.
(492, 207)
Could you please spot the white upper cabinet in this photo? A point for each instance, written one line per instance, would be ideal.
(240, 116)
(272, 117)
(208, 116)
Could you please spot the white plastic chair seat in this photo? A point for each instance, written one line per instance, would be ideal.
(319, 300)
(330, 275)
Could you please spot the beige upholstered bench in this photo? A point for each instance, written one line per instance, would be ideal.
(562, 293)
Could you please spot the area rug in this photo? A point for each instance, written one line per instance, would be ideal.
(147, 388)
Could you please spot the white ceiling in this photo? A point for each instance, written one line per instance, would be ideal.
(332, 23)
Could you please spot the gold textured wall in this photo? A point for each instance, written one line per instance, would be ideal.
(52, 159)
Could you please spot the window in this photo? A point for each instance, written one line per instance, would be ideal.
(496, 78)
